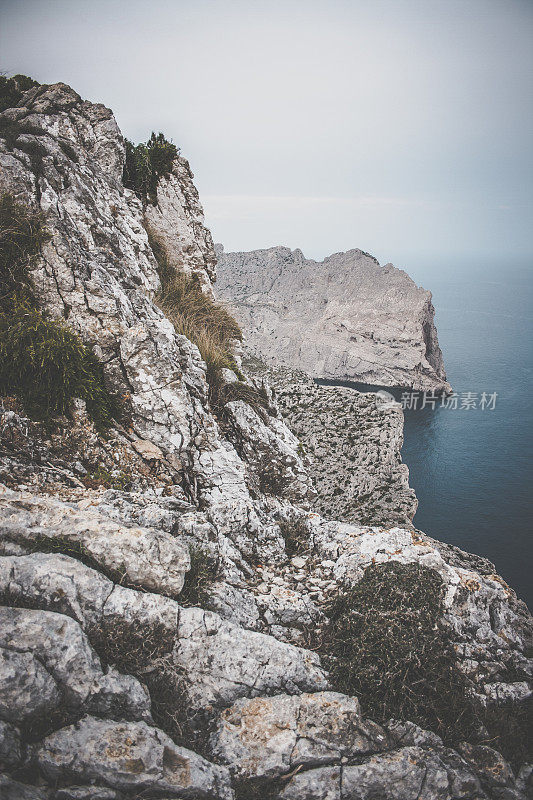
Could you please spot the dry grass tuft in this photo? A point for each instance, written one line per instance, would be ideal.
(210, 326)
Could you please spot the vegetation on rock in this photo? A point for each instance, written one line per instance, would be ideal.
(295, 535)
(203, 572)
(207, 324)
(146, 163)
(385, 644)
(12, 89)
(41, 360)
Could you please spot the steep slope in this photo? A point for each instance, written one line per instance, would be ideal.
(345, 317)
(351, 443)
(171, 604)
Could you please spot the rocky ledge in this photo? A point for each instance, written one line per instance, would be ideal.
(177, 618)
(345, 317)
(350, 443)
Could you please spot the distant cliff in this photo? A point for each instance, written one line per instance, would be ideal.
(345, 317)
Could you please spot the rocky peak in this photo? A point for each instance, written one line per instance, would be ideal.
(345, 317)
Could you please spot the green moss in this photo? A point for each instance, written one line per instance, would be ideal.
(146, 163)
(41, 361)
(110, 480)
(385, 644)
(12, 89)
(47, 366)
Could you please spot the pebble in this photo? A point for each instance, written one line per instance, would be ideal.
(298, 561)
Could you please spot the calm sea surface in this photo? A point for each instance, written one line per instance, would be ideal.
(472, 469)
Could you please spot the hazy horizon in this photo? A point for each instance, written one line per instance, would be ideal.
(400, 127)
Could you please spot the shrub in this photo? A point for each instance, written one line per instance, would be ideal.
(22, 233)
(147, 653)
(182, 297)
(210, 326)
(12, 89)
(296, 536)
(41, 360)
(385, 644)
(203, 572)
(254, 397)
(47, 366)
(146, 163)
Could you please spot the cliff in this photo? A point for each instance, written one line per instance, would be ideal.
(177, 620)
(350, 443)
(345, 317)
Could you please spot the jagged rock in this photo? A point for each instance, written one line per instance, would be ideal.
(145, 557)
(86, 793)
(48, 664)
(271, 450)
(14, 790)
(270, 736)
(130, 757)
(10, 753)
(472, 602)
(240, 663)
(218, 660)
(198, 483)
(98, 270)
(177, 221)
(345, 317)
(405, 733)
(410, 773)
(492, 769)
(351, 445)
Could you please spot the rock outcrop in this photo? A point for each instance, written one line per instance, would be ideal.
(345, 317)
(166, 588)
(351, 444)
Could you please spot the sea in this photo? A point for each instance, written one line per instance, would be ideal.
(470, 458)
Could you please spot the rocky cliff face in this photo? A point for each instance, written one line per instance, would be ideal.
(351, 445)
(168, 590)
(345, 317)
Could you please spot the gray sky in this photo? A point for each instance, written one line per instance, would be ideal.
(402, 127)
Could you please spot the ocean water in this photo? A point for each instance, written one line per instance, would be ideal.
(472, 469)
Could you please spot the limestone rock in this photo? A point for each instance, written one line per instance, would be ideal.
(406, 774)
(145, 557)
(240, 663)
(47, 664)
(218, 660)
(130, 757)
(345, 317)
(234, 488)
(350, 444)
(270, 736)
(10, 753)
(14, 790)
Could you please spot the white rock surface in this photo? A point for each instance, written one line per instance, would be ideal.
(345, 317)
(131, 757)
(144, 557)
(270, 736)
(47, 662)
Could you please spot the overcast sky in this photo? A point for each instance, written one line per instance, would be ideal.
(403, 127)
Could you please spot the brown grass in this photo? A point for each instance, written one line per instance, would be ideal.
(210, 326)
